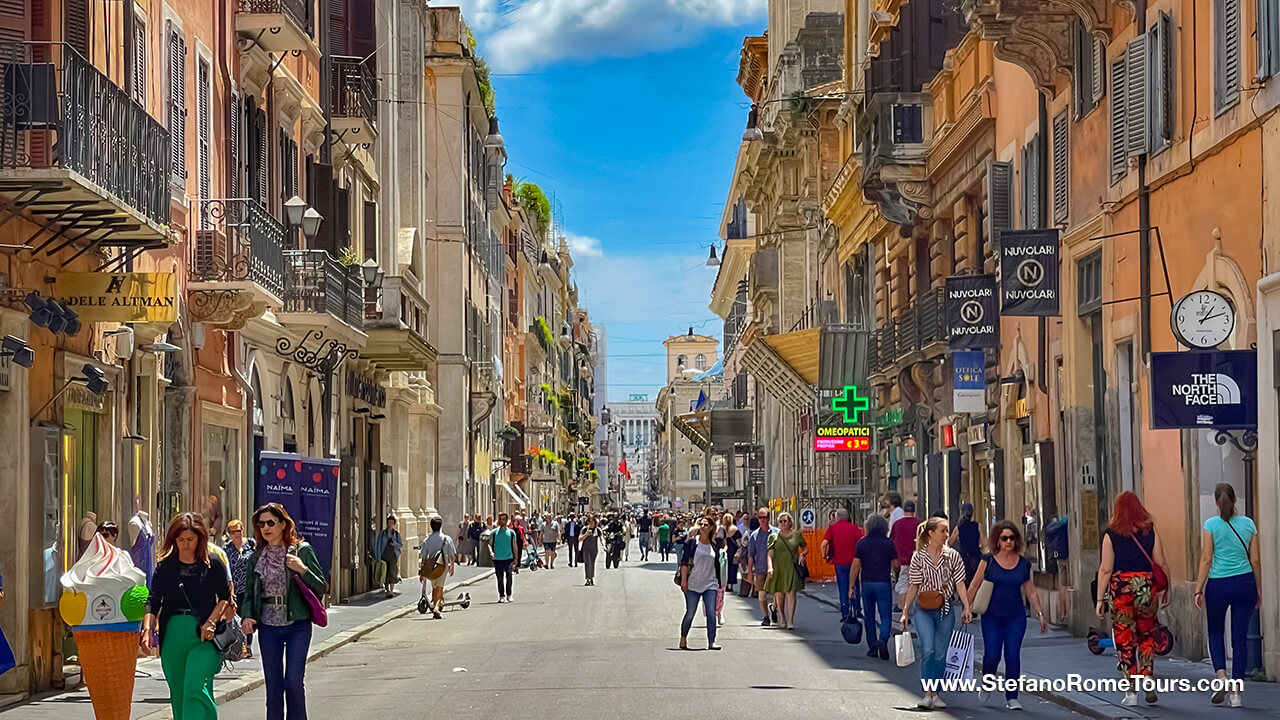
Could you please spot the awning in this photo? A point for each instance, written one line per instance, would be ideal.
(799, 350)
(519, 501)
(762, 361)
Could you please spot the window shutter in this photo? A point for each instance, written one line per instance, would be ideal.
(1137, 119)
(1226, 53)
(178, 104)
(337, 27)
(76, 25)
(263, 156)
(235, 146)
(999, 182)
(363, 29)
(204, 121)
(341, 220)
(1099, 62)
(1119, 113)
(321, 198)
(140, 61)
(370, 229)
(1061, 179)
(1160, 46)
(1268, 38)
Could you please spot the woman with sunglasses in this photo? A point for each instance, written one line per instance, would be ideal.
(1004, 623)
(702, 573)
(274, 604)
(786, 550)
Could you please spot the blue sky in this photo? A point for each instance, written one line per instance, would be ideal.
(628, 111)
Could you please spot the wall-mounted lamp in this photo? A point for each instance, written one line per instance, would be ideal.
(17, 348)
(713, 261)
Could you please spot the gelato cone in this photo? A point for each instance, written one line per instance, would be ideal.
(103, 599)
(108, 660)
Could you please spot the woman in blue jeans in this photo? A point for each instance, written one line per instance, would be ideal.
(936, 580)
(703, 570)
(874, 560)
(1228, 579)
(273, 603)
(1004, 623)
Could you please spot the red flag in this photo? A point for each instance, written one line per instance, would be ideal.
(622, 469)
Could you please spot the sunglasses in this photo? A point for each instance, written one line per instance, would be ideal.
(268, 523)
(762, 517)
(236, 532)
(1007, 538)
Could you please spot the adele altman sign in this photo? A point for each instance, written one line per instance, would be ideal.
(1212, 389)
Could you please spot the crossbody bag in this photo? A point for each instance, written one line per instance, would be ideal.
(1161, 580)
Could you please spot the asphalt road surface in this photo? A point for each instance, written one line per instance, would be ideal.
(562, 650)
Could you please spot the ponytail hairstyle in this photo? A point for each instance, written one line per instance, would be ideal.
(926, 527)
(1225, 496)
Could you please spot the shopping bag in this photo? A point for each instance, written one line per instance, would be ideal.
(960, 656)
(904, 650)
(379, 573)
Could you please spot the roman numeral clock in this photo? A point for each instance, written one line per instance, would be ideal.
(1203, 319)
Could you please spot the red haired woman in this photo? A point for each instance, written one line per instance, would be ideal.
(1131, 550)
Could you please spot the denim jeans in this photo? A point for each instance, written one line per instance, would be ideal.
(284, 652)
(1240, 594)
(644, 546)
(502, 571)
(1003, 633)
(877, 596)
(933, 637)
(842, 589)
(708, 599)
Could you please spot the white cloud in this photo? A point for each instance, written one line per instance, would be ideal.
(520, 34)
(582, 246)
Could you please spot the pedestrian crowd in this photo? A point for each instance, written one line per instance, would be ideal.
(266, 581)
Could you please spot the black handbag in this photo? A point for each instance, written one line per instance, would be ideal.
(802, 570)
(228, 636)
(851, 630)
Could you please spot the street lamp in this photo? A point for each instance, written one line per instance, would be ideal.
(311, 222)
(494, 139)
(294, 208)
(752, 133)
(713, 261)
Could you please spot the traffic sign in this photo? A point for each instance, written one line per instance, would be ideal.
(841, 491)
(808, 518)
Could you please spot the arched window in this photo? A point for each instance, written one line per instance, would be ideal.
(700, 362)
(681, 360)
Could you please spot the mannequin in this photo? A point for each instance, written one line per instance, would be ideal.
(88, 529)
(143, 547)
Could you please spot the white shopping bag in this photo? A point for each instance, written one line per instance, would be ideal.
(960, 656)
(904, 650)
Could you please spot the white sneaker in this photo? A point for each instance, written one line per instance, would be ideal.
(1130, 699)
(938, 704)
(1234, 700)
(925, 703)
(984, 696)
(1012, 704)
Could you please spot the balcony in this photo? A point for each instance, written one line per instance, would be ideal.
(897, 130)
(322, 294)
(77, 152)
(919, 332)
(236, 268)
(277, 26)
(397, 328)
(355, 100)
(1038, 36)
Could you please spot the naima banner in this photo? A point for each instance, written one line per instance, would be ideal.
(1029, 273)
(973, 315)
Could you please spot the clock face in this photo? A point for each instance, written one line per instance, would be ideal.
(1203, 319)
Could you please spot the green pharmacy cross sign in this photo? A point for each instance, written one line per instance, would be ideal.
(849, 404)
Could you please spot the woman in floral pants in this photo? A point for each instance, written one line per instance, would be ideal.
(1126, 582)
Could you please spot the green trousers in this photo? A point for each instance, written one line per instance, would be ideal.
(189, 665)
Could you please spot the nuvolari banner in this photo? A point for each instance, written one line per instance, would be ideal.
(119, 297)
(973, 313)
(1029, 273)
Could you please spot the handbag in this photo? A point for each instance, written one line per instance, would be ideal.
(930, 599)
(983, 598)
(319, 616)
(433, 566)
(228, 636)
(1160, 580)
(851, 630)
(904, 651)
(802, 570)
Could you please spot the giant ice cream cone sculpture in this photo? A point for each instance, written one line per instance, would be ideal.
(103, 599)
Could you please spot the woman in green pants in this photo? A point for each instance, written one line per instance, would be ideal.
(190, 596)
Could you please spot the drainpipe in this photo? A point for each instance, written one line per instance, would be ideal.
(1042, 189)
(1144, 227)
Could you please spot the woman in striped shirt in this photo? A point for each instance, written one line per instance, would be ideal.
(936, 582)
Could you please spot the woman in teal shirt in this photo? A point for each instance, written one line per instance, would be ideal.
(504, 542)
(1228, 579)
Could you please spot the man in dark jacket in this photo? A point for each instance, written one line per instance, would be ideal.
(572, 530)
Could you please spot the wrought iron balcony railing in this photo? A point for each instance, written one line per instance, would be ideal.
(354, 89)
(295, 9)
(59, 112)
(920, 328)
(237, 239)
(317, 283)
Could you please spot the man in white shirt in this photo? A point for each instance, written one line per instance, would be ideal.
(550, 538)
(892, 504)
(437, 544)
